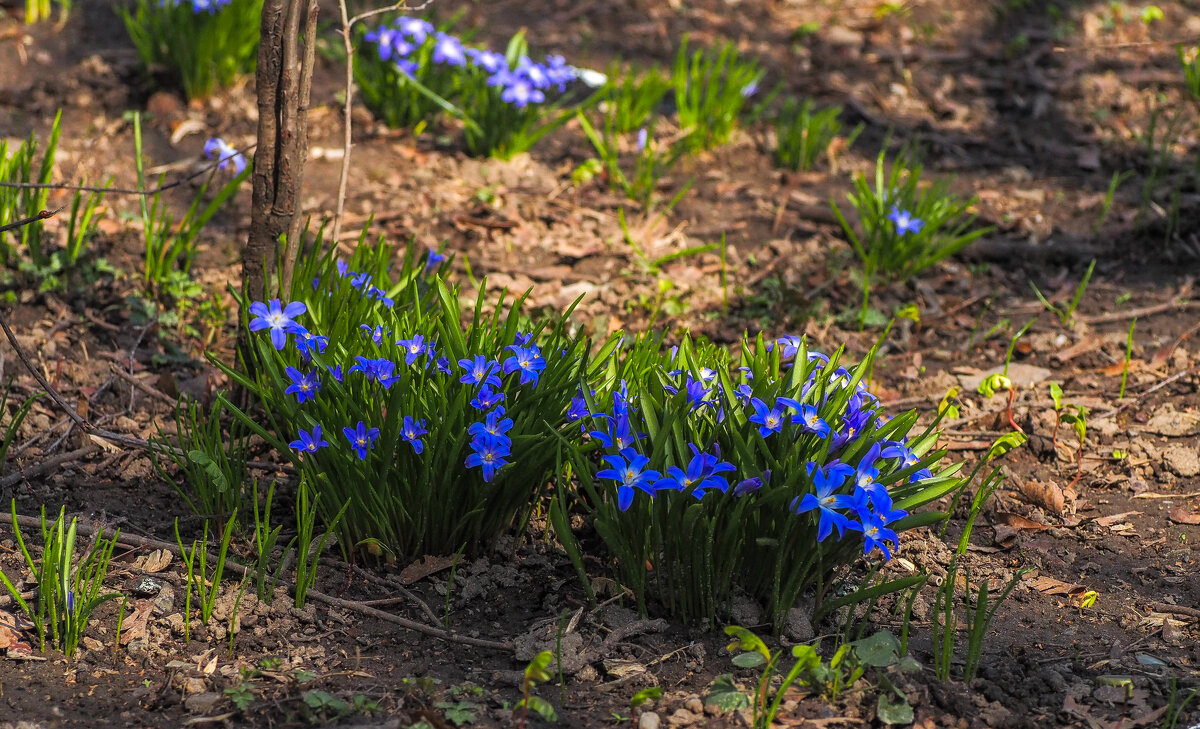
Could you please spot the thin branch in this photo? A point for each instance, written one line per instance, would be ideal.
(116, 190)
(43, 215)
(348, 24)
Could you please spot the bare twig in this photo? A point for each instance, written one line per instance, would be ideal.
(151, 391)
(47, 465)
(114, 190)
(31, 219)
(348, 24)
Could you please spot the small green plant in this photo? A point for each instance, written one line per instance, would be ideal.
(67, 592)
(323, 707)
(1177, 703)
(1128, 357)
(241, 695)
(712, 88)
(211, 459)
(265, 539)
(1066, 315)
(803, 136)
(308, 552)
(904, 226)
(170, 245)
(980, 618)
(206, 586)
(14, 422)
(1189, 61)
(649, 161)
(640, 699)
(628, 99)
(537, 672)
(1076, 417)
(40, 258)
(197, 46)
(1117, 179)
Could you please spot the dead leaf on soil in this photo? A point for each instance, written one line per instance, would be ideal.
(424, 567)
(1008, 526)
(1052, 586)
(134, 626)
(13, 632)
(1045, 494)
(156, 561)
(1108, 521)
(1180, 515)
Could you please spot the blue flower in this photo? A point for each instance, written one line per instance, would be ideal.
(413, 348)
(487, 398)
(866, 475)
(304, 386)
(750, 89)
(495, 426)
(379, 369)
(433, 260)
(310, 442)
(769, 420)
(854, 422)
(877, 535)
(579, 407)
(527, 360)
(827, 481)
(522, 339)
(896, 449)
(70, 601)
(642, 137)
(627, 470)
(361, 438)
(449, 50)
(701, 474)
(411, 431)
(885, 513)
(489, 455)
(751, 485)
(335, 371)
(417, 29)
(217, 148)
(621, 434)
(905, 222)
(489, 61)
(306, 341)
(808, 418)
(275, 317)
(376, 333)
(480, 371)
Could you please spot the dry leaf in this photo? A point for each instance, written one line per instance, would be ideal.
(1107, 521)
(1180, 515)
(134, 626)
(1052, 586)
(424, 567)
(156, 561)
(1018, 522)
(1045, 494)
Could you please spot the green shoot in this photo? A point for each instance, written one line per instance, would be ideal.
(1066, 316)
(1128, 357)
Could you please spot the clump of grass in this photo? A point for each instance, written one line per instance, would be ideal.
(803, 135)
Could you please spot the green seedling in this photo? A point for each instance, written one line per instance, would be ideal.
(308, 551)
(804, 136)
(211, 459)
(1066, 315)
(649, 161)
(628, 100)
(1076, 417)
(67, 593)
(712, 88)
(653, 693)
(14, 423)
(1177, 703)
(537, 672)
(206, 586)
(980, 619)
(1128, 357)
(1117, 179)
(1189, 62)
(265, 539)
(323, 707)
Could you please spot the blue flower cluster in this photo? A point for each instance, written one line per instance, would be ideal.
(846, 497)
(198, 6)
(486, 377)
(521, 84)
(226, 154)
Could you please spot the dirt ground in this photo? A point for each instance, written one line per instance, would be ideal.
(1030, 106)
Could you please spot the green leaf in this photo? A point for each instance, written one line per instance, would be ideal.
(653, 693)
(894, 710)
(1006, 443)
(748, 660)
(725, 695)
(879, 650)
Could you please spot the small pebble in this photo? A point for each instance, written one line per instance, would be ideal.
(649, 720)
